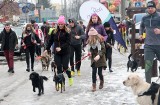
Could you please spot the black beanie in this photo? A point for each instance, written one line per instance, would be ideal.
(106, 24)
(151, 4)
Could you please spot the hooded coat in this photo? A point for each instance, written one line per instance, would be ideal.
(76, 30)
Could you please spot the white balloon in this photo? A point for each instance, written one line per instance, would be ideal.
(90, 7)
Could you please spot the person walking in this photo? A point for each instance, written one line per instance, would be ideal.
(98, 60)
(29, 42)
(96, 23)
(45, 29)
(77, 34)
(109, 43)
(51, 31)
(40, 35)
(9, 42)
(61, 39)
(151, 24)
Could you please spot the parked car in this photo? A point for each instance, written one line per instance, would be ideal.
(18, 30)
(138, 17)
(137, 27)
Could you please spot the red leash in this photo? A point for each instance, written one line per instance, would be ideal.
(78, 61)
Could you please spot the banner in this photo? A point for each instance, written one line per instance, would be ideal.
(90, 7)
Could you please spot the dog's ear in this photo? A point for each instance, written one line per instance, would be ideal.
(136, 79)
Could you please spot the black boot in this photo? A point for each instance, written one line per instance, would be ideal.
(28, 69)
(110, 70)
(32, 67)
(11, 70)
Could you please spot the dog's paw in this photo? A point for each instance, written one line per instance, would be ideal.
(39, 94)
(34, 90)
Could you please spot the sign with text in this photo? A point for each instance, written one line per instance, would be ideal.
(90, 7)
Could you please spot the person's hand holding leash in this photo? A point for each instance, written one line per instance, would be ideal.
(77, 37)
(58, 49)
(97, 58)
(89, 54)
(140, 37)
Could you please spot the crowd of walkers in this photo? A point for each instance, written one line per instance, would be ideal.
(65, 40)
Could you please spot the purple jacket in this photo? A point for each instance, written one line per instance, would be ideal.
(100, 29)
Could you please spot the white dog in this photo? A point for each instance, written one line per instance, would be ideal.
(139, 87)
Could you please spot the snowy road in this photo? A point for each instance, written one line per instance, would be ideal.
(16, 89)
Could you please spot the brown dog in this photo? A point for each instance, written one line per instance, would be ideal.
(45, 59)
(58, 78)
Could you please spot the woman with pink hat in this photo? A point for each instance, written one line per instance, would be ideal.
(61, 39)
(98, 61)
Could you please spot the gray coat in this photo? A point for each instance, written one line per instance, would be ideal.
(76, 30)
(148, 24)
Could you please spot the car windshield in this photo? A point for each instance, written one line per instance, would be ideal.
(138, 17)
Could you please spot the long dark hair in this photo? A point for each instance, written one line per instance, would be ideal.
(91, 23)
(65, 28)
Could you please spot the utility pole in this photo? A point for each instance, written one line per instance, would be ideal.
(122, 9)
(26, 14)
(65, 8)
(39, 11)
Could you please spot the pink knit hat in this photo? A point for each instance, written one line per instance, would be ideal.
(94, 14)
(92, 31)
(61, 20)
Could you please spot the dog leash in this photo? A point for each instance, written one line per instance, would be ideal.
(77, 62)
(114, 48)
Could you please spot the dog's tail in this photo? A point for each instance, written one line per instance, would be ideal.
(45, 78)
(129, 56)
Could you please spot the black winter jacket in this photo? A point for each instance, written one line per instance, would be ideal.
(61, 39)
(12, 39)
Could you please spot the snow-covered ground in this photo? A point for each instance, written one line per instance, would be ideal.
(16, 89)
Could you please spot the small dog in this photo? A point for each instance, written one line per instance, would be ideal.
(140, 87)
(133, 64)
(37, 82)
(58, 78)
(45, 59)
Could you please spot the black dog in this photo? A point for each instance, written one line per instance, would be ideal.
(58, 78)
(133, 64)
(37, 82)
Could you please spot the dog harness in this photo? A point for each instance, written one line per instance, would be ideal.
(152, 92)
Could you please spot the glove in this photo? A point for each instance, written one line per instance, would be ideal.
(97, 58)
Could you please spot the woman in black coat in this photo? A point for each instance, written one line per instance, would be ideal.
(29, 41)
(61, 39)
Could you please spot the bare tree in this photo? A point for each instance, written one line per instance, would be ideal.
(4, 2)
(9, 7)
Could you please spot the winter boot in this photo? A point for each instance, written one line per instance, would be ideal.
(72, 73)
(94, 87)
(78, 72)
(70, 81)
(101, 84)
(110, 70)
(28, 69)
